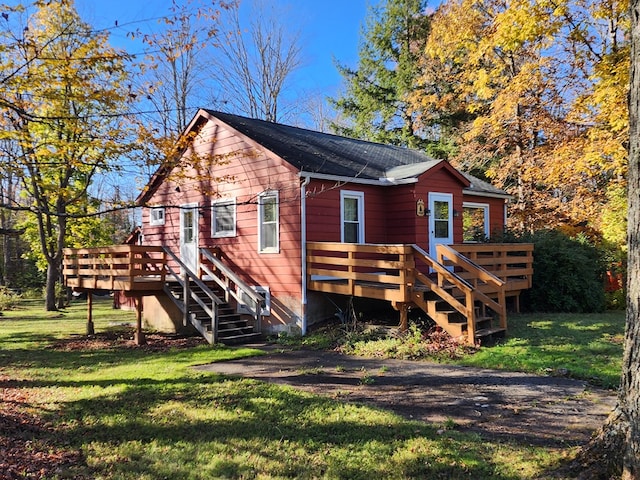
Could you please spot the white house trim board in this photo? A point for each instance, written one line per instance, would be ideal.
(269, 222)
(347, 218)
(189, 235)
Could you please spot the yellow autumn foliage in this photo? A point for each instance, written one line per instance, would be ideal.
(538, 91)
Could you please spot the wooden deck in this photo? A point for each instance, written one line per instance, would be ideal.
(129, 268)
(387, 271)
(464, 289)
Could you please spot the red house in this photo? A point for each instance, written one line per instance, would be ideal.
(300, 221)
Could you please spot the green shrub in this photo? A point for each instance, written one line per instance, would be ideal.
(33, 293)
(568, 274)
(616, 300)
(8, 298)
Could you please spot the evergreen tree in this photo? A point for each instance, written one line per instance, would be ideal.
(375, 104)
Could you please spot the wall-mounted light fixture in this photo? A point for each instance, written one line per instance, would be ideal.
(456, 213)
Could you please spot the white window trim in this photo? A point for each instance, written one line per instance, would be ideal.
(153, 220)
(261, 197)
(360, 197)
(487, 210)
(225, 233)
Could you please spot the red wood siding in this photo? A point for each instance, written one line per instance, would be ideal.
(248, 171)
(390, 211)
(323, 211)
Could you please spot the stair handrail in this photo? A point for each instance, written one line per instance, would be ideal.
(467, 309)
(190, 276)
(459, 260)
(243, 287)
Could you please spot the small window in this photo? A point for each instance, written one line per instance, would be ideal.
(475, 222)
(223, 218)
(352, 216)
(157, 216)
(268, 222)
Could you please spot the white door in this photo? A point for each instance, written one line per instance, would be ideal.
(189, 236)
(440, 220)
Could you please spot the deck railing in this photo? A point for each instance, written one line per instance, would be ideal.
(374, 271)
(473, 285)
(117, 267)
(510, 262)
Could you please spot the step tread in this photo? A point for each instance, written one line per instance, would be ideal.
(483, 332)
(240, 336)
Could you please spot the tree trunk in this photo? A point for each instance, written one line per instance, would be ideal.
(630, 382)
(616, 448)
(51, 303)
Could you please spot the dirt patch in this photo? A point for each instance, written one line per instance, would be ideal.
(32, 448)
(124, 339)
(520, 407)
(28, 446)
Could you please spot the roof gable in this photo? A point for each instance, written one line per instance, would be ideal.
(324, 154)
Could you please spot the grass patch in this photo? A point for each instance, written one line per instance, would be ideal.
(582, 346)
(576, 345)
(138, 414)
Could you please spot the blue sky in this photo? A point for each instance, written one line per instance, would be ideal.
(329, 29)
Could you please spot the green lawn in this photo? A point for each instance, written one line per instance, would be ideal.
(140, 414)
(584, 346)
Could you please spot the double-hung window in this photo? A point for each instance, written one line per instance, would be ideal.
(156, 216)
(475, 221)
(352, 216)
(223, 218)
(268, 222)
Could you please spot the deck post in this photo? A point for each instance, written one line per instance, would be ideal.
(139, 337)
(185, 299)
(90, 327)
(403, 308)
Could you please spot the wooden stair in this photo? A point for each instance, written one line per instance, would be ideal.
(454, 322)
(233, 328)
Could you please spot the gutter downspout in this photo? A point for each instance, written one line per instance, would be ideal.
(303, 254)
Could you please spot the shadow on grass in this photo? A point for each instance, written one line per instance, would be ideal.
(248, 428)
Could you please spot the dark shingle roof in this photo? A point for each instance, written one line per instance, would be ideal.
(478, 185)
(323, 153)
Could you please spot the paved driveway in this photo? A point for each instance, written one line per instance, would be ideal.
(537, 410)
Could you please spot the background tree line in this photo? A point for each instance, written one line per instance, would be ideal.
(531, 96)
(84, 124)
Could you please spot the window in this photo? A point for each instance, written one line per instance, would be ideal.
(268, 220)
(188, 225)
(223, 218)
(352, 216)
(441, 219)
(475, 222)
(157, 216)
